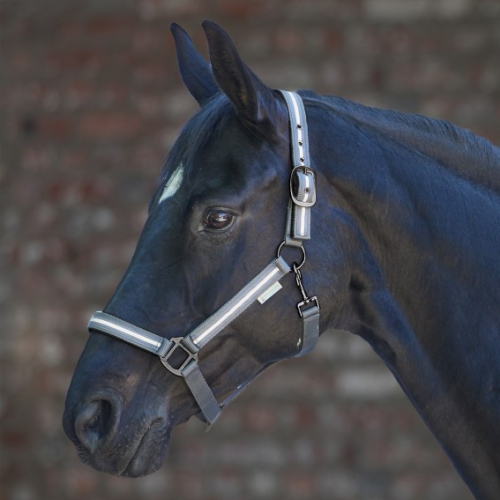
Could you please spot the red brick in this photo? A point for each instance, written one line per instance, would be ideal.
(305, 417)
(71, 30)
(73, 160)
(54, 128)
(261, 418)
(103, 126)
(112, 95)
(21, 61)
(334, 40)
(82, 60)
(151, 9)
(37, 157)
(242, 10)
(288, 40)
(110, 26)
(150, 72)
(14, 438)
(77, 94)
(300, 486)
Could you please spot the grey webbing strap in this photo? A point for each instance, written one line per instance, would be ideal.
(303, 180)
(310, 329)
(290, 241)
(240, 302)
(201, 392)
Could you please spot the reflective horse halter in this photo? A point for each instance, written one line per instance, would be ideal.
(261, 288)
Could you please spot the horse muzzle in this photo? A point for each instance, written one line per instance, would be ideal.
(111, 439)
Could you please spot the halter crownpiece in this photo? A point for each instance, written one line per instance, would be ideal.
(261, 288)
(302, 179)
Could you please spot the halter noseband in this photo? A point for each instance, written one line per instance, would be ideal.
(261, 288)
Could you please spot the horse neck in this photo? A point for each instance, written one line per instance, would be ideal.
(457, 149)
(412, 213)
(415, 256)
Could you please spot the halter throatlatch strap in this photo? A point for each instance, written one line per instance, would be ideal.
(261, 288)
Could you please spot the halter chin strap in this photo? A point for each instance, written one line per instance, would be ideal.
(261, 288)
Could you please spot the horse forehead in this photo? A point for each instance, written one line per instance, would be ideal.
(173, 183)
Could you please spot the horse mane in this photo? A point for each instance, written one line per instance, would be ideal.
(457, 149)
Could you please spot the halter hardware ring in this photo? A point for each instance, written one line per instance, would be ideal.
(178, 344)
(295, 265)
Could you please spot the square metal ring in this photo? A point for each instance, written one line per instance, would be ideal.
(302, 305)
(177, 341)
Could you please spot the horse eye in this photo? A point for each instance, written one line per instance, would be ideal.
(217, 220)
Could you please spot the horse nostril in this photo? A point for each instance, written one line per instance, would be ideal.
(93, 424)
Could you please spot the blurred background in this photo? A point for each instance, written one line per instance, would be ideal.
(91, 102)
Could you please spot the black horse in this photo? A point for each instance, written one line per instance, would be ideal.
(405, 252)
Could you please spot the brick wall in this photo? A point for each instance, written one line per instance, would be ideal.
(91, 101)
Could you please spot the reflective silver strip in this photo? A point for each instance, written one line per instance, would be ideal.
(125, 331)
(307, 190)
(240, 302)
(298, 127)
(301, 220)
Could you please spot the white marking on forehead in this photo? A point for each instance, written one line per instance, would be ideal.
(173, 184)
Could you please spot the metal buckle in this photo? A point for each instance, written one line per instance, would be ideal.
(303, 186)
(177, 341)
(306, 302)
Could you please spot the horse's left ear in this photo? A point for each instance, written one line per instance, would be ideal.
(195, 71)
(256, 105)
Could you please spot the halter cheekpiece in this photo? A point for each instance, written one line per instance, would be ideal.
(261, 288)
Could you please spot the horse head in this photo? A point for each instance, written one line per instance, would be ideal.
(214, 222)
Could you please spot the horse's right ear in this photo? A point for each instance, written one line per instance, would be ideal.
(195, 71)
(257, 106)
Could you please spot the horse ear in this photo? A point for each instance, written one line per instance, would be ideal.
(195, 71)
(254, 102)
